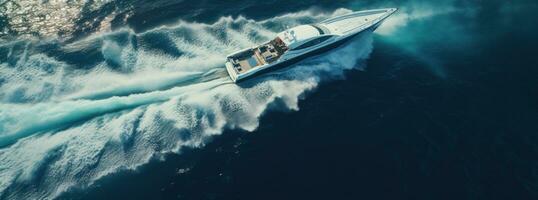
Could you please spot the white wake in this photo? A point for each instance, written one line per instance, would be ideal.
(65, 126)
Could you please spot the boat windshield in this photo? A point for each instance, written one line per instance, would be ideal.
(321, 29)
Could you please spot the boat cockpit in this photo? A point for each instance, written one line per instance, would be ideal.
(260, 55)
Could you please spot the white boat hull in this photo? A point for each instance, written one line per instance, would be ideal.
(349, 26)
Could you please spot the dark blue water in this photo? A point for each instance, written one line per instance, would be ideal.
(444, 107)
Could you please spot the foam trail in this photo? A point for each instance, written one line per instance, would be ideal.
(133, 86)
(18, 121)
(63, 126)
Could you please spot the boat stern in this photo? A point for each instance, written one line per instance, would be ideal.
(231, 71)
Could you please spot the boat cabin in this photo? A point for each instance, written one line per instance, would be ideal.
(292, 39)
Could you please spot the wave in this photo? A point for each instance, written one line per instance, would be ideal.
(66, 122)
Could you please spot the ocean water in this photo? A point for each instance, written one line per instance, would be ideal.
(130, 100)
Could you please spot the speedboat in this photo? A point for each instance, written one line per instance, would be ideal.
(300, 42)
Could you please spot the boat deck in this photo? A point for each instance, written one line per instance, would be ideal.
(261, 55)
(250, 62)
(350, 22)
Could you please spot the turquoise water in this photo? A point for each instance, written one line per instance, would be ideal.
(130, 99)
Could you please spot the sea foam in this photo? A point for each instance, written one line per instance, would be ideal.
(65, 123)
